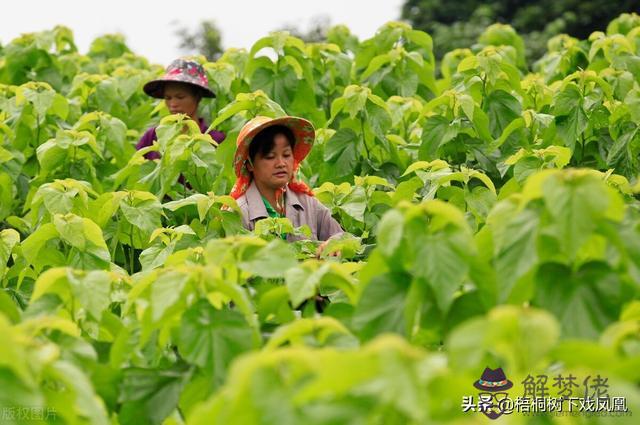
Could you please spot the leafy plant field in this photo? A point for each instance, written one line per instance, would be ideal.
(492, 209)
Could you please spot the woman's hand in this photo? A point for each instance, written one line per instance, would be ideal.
(321, 248)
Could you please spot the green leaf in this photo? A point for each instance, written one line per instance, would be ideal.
(502, 109)
(274, 304)
(302, 283)
(437, 132)
(92, 290)
(576, 202)
(148, 396)
(441, 261)
(341, 154)
(7, 195)
(513, 126)
(515, 252)
(571, 119)
(33, 247)
(81, 399)
(378, 119)
(355, 203)
(517, 338)
(585, 302)
(212, 338)
(143, 210)
(390, 232)
(8, 307)
(270, 261)
(300, 331)
(381, 306)
(83, 234)
(9, 238)
(156, 255)
(166, 291)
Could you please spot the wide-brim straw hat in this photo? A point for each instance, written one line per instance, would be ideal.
(180, 71)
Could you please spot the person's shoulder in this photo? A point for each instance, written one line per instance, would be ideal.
(147, 138)
(151, 131)
(218, 136)
(242, 202)
(309, 201)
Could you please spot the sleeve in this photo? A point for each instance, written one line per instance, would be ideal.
(147, 139)
(218, 136)
(328, 227)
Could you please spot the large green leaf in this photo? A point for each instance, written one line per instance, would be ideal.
(341, 154)
(272, 260)
(438, 131)
(166, 291)
(83, 234)
(585, 301)
(501, 108)
(515, 251)
(515, 338)
(92, 290)
(576, 203)
(143, 210)
(571, 118)
(212, 338)
(381, 306)
(148, 396)
(9, 238)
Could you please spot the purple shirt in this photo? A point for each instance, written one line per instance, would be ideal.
(149, 137)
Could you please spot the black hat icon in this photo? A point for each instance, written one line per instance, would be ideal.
(493, 380)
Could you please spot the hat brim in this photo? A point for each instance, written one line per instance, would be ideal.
(155, 88)
(504, 387)
(302, 130)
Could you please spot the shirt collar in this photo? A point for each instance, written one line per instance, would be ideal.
(256, 205)
(254, 201)
(292, 200)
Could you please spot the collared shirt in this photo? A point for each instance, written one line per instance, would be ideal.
(301, 209)
(150, 136)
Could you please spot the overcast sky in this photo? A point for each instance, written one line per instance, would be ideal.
(150, 26)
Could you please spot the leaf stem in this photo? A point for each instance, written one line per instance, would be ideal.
(131, 252)
(364, 139)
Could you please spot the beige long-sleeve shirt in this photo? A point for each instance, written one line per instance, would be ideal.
(301, 209)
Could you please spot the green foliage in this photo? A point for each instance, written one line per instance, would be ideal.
(458, 25)
(491, 218)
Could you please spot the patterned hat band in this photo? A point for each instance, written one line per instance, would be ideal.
(492, 383)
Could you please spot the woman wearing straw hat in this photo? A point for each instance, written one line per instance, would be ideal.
(268, 154)
(182, 87)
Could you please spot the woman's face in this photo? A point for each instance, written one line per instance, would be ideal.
(180, 99)
(275, 169)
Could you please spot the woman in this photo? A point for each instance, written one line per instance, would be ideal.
(268, 154)
(182, 87)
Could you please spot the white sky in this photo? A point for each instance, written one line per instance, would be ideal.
(149, 26)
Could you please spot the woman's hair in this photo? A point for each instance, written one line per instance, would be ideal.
(264, 140)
